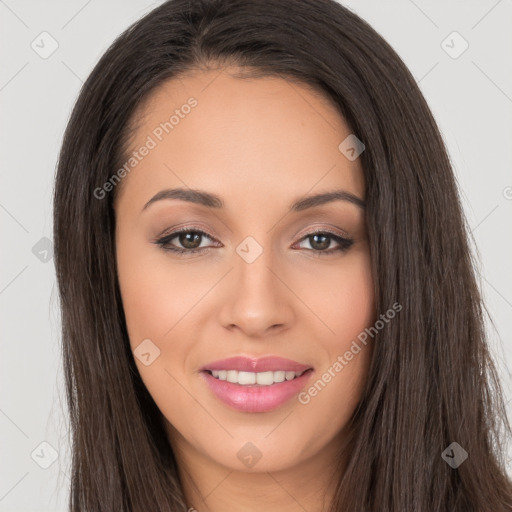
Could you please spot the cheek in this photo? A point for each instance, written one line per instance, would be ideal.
(352, 307)
(348, 309)
(156, 297)
(156, 300)
(342, 297)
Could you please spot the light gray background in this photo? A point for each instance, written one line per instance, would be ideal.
(470, 96)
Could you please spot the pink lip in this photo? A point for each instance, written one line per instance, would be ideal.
(256, 398)
(264, 364)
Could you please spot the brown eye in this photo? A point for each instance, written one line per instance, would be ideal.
(189, 239)
(320, 242)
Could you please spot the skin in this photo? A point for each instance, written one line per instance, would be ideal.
(259, 144)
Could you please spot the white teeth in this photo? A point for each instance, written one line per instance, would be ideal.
(279, 376)
(246, 378)
(265, 378)
(250, 378)
(232, 376)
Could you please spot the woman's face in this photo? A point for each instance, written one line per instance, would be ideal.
(262, 284)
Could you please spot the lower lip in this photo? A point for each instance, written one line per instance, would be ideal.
(256, 398)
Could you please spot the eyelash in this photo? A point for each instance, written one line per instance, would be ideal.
(344, 243)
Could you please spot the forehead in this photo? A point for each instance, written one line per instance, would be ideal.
(212, 130)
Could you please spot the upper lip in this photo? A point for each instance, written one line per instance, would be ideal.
(263, 364)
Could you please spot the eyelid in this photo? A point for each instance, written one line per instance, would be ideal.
(321, 229)
(180, 229)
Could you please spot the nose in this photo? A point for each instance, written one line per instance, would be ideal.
(258, 300)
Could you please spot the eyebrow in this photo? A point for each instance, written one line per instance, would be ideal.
(210, 200)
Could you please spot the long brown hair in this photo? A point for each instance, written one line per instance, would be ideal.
(432, 381)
